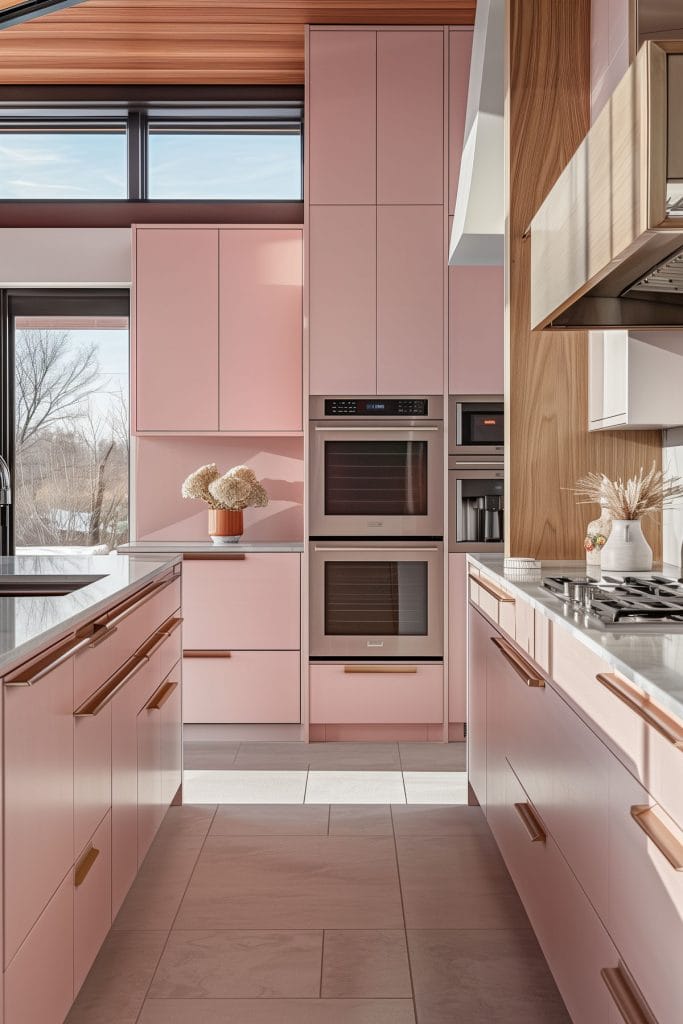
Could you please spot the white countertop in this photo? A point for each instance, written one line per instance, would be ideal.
(182, 547)
(28, 624)
(650, 658)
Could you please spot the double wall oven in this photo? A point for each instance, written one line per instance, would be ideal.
(376, 525)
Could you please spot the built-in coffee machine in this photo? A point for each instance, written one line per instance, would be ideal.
(475, 473)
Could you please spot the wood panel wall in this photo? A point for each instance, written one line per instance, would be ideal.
(548, 445)
(200, 42)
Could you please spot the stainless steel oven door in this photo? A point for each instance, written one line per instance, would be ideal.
(376, 601)
(376, 480)
(475, 506)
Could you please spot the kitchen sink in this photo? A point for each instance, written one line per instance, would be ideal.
(43, 586)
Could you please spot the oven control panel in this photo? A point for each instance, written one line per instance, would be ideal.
(377, 407)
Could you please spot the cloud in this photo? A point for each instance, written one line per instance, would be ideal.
(30, 156)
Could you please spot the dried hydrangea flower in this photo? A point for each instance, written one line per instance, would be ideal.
(197, 484)
(238, 489)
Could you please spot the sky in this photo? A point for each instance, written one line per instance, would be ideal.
(87, 166)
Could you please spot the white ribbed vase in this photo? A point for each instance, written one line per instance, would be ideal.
(626, 549)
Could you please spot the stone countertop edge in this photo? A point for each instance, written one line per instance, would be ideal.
(206, 547)
(652, 661)
(69, 615)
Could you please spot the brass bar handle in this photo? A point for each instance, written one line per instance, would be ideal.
(161, 695)
(526, 673)
(372, 547)
(531, 823)
(494, 591)
(638, 702)
(195, 653)
(209, 556)
(135, 601)
(376, 430)
(654, 828)
(626, 996)
(380, 669)
(103, 633)
(161, 636)
(99, 700)
(48, 661)
(82, 869)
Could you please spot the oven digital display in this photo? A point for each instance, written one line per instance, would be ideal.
(376, 407)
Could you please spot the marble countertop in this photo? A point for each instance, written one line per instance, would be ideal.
(651, 657)
(28, 624)
(180, 547)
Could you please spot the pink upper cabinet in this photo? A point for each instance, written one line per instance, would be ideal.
(342, 297)
(460, 49)
(176, 330)
(341, 108)
(411, 264)
(410, 116)
(475, 330)
(261, 280)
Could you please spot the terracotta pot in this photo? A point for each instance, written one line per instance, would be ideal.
(226, 525)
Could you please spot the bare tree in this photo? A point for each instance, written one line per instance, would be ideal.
(52, 379)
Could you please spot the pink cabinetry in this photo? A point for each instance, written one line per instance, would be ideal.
(260, 331)
(410, 117)
(457, 638)
(92, 900)
(365, 694)
(460, 50)
(341, 116)
(410, 305)
(475, 330)
(176, 324)
(150, 811)
(246, 686)
(170, 710)
(92, 773)
(343, 300)
(479, 643)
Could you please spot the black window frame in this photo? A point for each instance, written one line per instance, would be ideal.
(254, 108)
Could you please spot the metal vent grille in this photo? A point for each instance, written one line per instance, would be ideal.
(666, 279)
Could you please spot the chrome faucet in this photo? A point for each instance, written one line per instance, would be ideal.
(5, 483)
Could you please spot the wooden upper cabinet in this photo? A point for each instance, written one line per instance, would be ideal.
(460, 50)
(341, 116)
(410, 301)
(343, 300)
(410, 116)
(176, 329)
(260, 352)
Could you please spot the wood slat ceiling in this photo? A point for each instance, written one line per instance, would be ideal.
(207, 42)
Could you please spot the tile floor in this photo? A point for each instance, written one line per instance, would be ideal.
(317, 913)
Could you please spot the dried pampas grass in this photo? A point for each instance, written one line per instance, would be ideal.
(642, 495)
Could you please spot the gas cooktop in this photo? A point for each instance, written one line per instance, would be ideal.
(623, 601)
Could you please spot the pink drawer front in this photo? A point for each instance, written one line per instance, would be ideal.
(249, 687)
(370, 695)
(246, 603)
(92, 773)
(123, 632)
(39, 983)
(92, 900)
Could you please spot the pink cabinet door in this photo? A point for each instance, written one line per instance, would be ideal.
(343, 300)
(475, 330)
(150, 813)
(260, 352)
(170, 711)
(411, 268)
(247, 687)
(460, 49)
(92, 900)
(92, 773)
(341, 108)
(457, 638)
(39, 797)
(478, 645)
(176, 329)
(39, 983)
(245, 603)
(410, 116)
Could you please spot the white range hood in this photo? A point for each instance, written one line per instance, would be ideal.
(478, 220)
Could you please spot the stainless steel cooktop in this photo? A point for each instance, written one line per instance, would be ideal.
(623, 601)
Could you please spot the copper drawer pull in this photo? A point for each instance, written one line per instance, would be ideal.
(105, 695)
(110, 620)
(664, 724)
(162, 635)
(161, 696)
(48, 661)
(526, 673)
(103, 633)
(627, 998)
(500, 595)
(530, 822)
(209, 556)
(657, 832)
(377, 669)
(206, 654)
(82, 869)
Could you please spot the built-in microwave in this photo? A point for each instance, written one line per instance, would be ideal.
(476, 425)
(376, 467)
(376, 600)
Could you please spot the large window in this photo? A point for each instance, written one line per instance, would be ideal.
(217, 152)
(68, 441)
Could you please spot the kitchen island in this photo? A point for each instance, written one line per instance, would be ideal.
(90, 660)
(575, 752)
